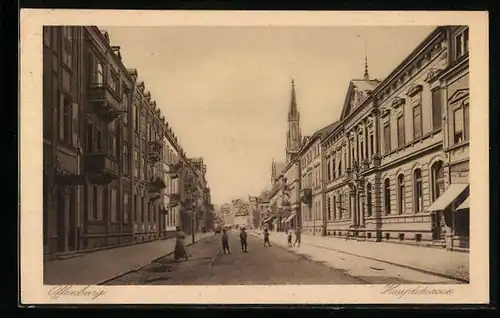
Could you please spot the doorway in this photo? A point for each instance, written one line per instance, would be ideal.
(61, 209)
(72, 237)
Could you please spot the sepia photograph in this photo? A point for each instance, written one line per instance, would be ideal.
(271, 155)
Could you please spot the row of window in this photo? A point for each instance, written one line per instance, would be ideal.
(335, 203)
(313, 153)
(100, 202)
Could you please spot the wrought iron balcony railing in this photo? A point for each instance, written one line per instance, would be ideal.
(156, 185)
(155, 151)
(106, 104)
(100, 168)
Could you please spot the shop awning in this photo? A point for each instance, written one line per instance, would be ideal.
(453, 191)
(288, 219)
(464, 205)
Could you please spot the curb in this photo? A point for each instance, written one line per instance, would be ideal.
(425, 271)
(149, 262)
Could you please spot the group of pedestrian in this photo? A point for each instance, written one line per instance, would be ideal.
(297, 237)
(267, 242)
(181, 251)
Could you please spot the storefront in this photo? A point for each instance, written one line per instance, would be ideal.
(451, 211)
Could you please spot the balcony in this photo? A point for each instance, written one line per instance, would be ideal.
(306, 196)
(175, 199)
(100, 168)
(174, 170)
(104, 101)
(156, 185)
(154, 152)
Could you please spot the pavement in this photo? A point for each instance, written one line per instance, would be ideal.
(94, 268)
(275, 265)
(388, 258)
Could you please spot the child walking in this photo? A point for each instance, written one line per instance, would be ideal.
(266, 238)
(243, 240)
(225, 241)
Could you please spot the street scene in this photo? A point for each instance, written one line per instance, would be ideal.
(275, 265)
(255, 156)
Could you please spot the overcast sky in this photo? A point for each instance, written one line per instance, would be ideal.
(226, 90)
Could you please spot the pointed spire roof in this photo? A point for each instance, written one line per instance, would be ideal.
(366, 75)
(293, 103)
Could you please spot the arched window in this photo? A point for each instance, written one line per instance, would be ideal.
(417, 186)
(401, 194)
(100, 73)
(369, 199)
(341, 211)
(387, 196)
(437, 175)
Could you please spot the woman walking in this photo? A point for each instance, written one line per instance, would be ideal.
(180, 250)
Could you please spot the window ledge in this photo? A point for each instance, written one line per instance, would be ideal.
(457, 145)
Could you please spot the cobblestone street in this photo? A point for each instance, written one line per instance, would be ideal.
(269, 265)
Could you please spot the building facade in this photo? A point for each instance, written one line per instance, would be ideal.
(103, 138)
(397, 163)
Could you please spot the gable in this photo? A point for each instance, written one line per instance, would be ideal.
(458, 95)
(346, 109)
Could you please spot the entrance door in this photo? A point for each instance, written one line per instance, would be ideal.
(61, 219)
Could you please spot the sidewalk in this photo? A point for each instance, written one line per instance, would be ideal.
(431, 260)
(94, 268)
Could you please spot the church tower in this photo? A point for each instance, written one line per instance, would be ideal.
(273, 172)
(294, 135)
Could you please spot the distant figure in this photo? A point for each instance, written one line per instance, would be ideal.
(289, 237)
(225, 241)
(243, 240)
(297, 236)
(180, 250)
(266, 238)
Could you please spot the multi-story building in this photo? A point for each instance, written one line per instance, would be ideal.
(103, 140)
(171, 217)
(263, 208)
(311, 194)
(148, 179)
(397, 146)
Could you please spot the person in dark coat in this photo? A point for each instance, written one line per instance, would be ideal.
(266, 238)
(243, 240)
(225, 241)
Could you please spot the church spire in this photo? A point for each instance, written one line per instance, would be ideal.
(293, 103)
(366, 76)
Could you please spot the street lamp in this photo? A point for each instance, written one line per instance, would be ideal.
(193, 207)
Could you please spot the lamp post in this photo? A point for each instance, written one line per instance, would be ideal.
(193, 215)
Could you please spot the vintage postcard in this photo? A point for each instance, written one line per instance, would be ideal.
(172, 157)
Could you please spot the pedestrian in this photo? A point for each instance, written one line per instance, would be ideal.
(180, 250)
(266, 238)
(225, 241)
(297, 236)
(289, 237)
(243, 240)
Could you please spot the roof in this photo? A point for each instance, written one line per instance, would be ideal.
(324, 132)
(366, 85)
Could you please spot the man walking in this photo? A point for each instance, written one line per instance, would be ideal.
(297, 237)
(243, 240)
(225, 241)
(266, 238)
